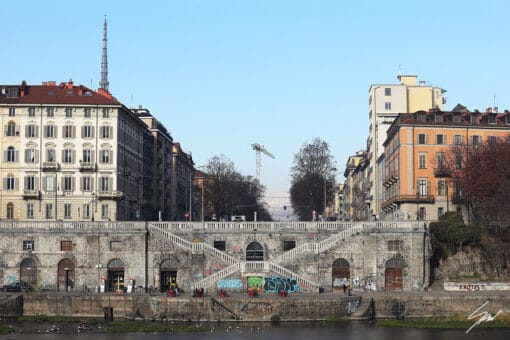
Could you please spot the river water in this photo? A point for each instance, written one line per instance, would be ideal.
(266, 331)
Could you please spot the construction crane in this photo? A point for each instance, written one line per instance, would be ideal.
(258, 149)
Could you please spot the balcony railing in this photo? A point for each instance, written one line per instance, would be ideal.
(398, 199)
(50, 166)
(441, 171)
(30, 193)
(87, 166)
(390, 179)
(113, 194)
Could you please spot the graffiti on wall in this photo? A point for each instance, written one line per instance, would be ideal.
(281, 284)
(229, 284)
(7, 279)
(254, 283)
(258, 307)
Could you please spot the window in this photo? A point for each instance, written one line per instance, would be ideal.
(105, 181)
(86, 211)
(387, 91)
(10, 211)
(458, 160)
(31, 111)
(422, 160)
(394, 245)
(30, 183)
(492, 139)
(421, 117)
(49, 182)
(12, 112)
(440, 159)
(67, 156)
(115, 245)
(10, 154)
(66, 245)
(105, 131)
(438, 118)
(28, 245)
(440, 139)
(288, 245)
(69, 112)
(86, 183)
(10, 130)
(50, 112)
(423, 214)
(474, 119)
(68, 131)
(67, 210)
(441, 187)
(492, 120)
(508, 120)
(31, 156)
(30, 210)
(86, 113)
(49, 131)
(68, 183)
(387, 105)
(87, 131)
(106, 113)
(458, 139)
(104, 211)
(440, 212)
(220, 245)
(422, 138)
(87, 156)
(476, 140)
(457, 119)
(31, 131)
(10, 182)
(422, 187)
(49, 210)
(50, 155)
(105, 156)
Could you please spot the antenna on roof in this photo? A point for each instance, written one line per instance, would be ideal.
(103, 84)
(494, 100)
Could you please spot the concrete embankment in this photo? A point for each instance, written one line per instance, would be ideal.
(262, 308)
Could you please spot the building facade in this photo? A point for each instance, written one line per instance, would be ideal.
(416, 183)
(386, 101)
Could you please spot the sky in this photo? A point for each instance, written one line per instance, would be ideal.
(222, 75)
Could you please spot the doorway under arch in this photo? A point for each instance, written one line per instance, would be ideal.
(254, 252)
(28, 273)
(167, 275)
(65, 275)
(340, 271)
(393, 274)
(115, 275)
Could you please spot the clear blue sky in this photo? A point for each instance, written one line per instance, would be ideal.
(222, 75)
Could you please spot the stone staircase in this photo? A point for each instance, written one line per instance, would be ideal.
(225, 308)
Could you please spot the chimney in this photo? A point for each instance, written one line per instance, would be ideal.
(495, 109)
(70, 84)
(489, 110)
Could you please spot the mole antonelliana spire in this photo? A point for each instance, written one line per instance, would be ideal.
(103, 84)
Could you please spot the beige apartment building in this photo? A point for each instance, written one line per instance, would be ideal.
(69, 153)
(386, 101)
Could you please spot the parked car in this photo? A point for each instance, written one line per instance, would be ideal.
(12, 287)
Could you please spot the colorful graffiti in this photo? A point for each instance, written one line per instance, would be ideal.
(229, 284)
(280, 284)
(254, 282)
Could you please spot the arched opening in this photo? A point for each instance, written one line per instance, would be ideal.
(168, 275)
(340, 273)
(115, 276)
(10, 211)
(65, 275)
(393, 274)
(28, 274)
(254, 252)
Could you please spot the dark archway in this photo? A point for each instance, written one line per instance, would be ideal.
(115, 275)
(393, 274)
(65, 275)
(340, 272)
(254, 252)
(167, 275)
(28, 273)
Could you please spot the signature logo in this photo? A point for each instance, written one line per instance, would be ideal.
(483, 316)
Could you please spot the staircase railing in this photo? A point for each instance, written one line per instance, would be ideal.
(289, 273)
(211, 279)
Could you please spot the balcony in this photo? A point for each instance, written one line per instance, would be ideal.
(50, 166)
(87, 166)
(458, 199)
(400, 199)
(441, 172)
(30, 194)
(391, 179)
(106, 194)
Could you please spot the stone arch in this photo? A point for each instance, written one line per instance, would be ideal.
(115, 275)
(254, 252)
(340, 273)
(393, 274)
(66, 275)
(28, 273)
(168, 270)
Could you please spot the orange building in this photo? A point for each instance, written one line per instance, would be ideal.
(416, 185)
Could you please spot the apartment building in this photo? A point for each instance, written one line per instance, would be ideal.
(354, 188)
(416, 185)
(182, 185)
(69, 153)
(386, 101)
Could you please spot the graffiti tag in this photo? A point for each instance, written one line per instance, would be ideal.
(229, 284)
(484, 316)
(470, 288)
(353, 305)
(280, 284)
(254, 282)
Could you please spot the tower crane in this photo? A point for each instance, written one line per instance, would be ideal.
(258, 149)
